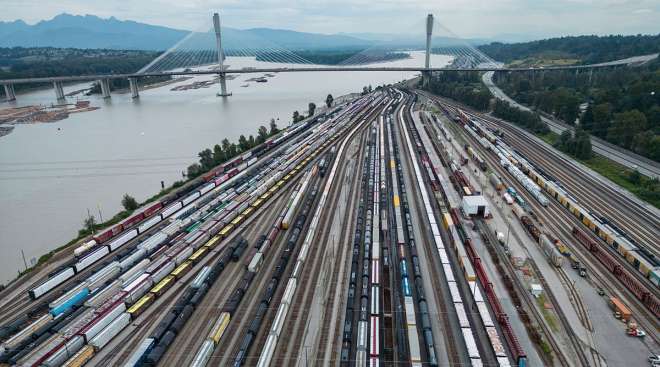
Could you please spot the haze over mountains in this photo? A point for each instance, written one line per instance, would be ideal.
(90, 31)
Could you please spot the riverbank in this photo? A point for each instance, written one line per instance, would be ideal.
(60, 253)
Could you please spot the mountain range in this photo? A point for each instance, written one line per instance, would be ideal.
(89, 31)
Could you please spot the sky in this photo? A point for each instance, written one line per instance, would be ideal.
(466, 18)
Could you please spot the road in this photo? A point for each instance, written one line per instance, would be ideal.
(617, 154)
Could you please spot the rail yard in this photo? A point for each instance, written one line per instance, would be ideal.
(396, 228)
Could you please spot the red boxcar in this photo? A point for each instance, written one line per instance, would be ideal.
(152, 209)
(133, 220)
(100, 238)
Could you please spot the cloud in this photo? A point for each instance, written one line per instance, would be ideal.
(469, 18)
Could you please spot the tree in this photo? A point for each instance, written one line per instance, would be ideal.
(206, 158)
(251, 141)
(273, 127)
(194, 170)
(329, 100)
(582, 144)
(587, 119)
(226, 146)
(296, 116)
(129, 203)
(625, 126)
(602, 114)
(365, 90)
(311, 108)
(262, 134)
(242, 143)
(218, 154)
(89, 224)
(565, 139)
(635, 177)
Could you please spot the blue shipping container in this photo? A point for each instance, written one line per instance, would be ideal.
(76, 299)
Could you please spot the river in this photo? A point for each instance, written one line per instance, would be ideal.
(51, 174)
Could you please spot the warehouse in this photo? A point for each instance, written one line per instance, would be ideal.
(475, 206)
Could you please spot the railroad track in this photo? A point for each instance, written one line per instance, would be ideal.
(609, 279)
(520, 288)
(331, 332)
(302, 301)
(595, 202)
(183, 349)
(556, 217)
(602, 199)
(121, 352)
(432, 258)
(576, 299)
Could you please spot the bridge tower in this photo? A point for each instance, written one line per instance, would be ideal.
(221, 56)
(429, 33)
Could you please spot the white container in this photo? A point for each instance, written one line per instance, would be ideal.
(183, 255)
(410, 310)
(110, 331)
(137, 269)
(203, 354)
(268, 351)
(151, 243)
(190, 198)
(161, 273)
(91, 258)
(123, 239)
(135, 283)
(149, 223)
(133, 258)
(51, 283)
(103, 321)
(470, 343)
(103, 295)
(255, 263)
(67, 351)
(171, 209)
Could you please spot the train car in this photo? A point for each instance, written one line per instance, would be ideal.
(51, 283)
(137, 358)
(163, 285)
(219, 327)
(182, 269)
(138, 307)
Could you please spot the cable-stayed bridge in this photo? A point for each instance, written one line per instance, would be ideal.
(207, 52)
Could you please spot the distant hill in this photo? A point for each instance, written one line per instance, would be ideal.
(578, 49)
(89, 31)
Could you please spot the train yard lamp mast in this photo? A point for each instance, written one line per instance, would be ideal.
(221, 56)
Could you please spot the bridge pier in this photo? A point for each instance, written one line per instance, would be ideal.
(10, 94)
(59, 91)
(105, 88)
(223, 86)
(133, 83)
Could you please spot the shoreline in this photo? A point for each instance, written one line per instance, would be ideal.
(59, 253)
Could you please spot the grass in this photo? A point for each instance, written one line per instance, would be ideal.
(543, 61)
(549, 137)
(645, 190)
(621, 176)
(547, 315)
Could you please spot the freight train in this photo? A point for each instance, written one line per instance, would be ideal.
(151, 273)
(468, 260)
(638, 256)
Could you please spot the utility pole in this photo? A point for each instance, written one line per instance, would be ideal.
(100, 214)
(24, 262)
